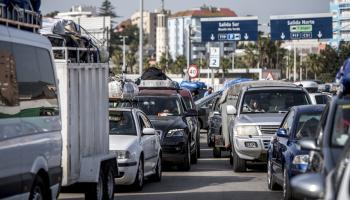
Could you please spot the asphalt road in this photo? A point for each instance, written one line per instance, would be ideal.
(210, 179)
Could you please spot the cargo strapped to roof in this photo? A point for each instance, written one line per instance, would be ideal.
(21, 18)
(159, 84)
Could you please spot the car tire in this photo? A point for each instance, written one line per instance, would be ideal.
(194, 155)
(157, 177)
(109, 183)
(238, 164)
(286, 186)
(271, 183)
(231, 160)
(217, 152)
(186, 165)
(38, 190)
(140, 176)
(95, 191)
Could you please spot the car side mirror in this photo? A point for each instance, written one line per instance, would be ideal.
(281, 132)
(308, 186)
(309, 144)
(231, 110)
(148, 131)
(191, 113)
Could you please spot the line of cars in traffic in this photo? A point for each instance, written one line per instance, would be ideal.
(157, 126)
(304, 141)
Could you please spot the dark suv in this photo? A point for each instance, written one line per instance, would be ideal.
(168, 113)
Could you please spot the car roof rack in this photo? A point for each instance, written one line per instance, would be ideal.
(20, 18)
(159, 85)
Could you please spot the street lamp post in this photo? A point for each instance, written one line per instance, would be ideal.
(141, 39)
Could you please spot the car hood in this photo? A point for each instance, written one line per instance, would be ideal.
(122, 142)
(167, 123)
(261, 118)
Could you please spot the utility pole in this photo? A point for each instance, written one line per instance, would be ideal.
(141, 39)
(188, 47)
(124, 52)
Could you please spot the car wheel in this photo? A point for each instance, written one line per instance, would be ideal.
(139, 179)
(38, 191)
(272, 185)
(108, 189)
(286, 186)
(157, 177)
(217, 152)
(186, 165)
(95, 190)
(231, 160)
(238, 165)
(194, 157)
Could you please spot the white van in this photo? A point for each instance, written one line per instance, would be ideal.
(30, 124)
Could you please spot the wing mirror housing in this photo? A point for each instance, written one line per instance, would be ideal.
(148, 131)
(281, 132)
(308, 186)
(309, 144)
(231, 110)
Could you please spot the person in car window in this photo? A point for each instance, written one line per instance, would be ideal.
(209, 91)
(255, 106)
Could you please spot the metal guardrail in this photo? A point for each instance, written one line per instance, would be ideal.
(76, 54)
(20, 18)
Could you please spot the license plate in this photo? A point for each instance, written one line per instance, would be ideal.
(251, 144)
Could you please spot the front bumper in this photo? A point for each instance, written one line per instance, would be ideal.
(174, 150)
(128, 171)
(258, 151)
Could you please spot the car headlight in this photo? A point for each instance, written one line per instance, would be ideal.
(176, 133)
(246, 130)
(123, 155)
(301, 160)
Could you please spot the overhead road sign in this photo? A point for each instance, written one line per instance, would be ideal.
(300, 27)
(228, 29)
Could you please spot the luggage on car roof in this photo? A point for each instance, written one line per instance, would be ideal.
(343, 77)
(153, 73)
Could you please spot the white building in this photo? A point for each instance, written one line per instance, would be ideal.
(87, 18)
(149, 26)
(162, 34)
(178, 28)
(341, 20)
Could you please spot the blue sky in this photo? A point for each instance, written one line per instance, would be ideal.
(261, 8)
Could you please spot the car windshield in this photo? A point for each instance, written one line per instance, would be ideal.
(121, 123)
(272, 101)
(307, 125)
(159, 106)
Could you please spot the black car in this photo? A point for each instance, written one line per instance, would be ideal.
(168, 113)
(333, 133)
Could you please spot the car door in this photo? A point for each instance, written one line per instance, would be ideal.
(192, 124)
(282, 144)
(146, 143)
(155, 143)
